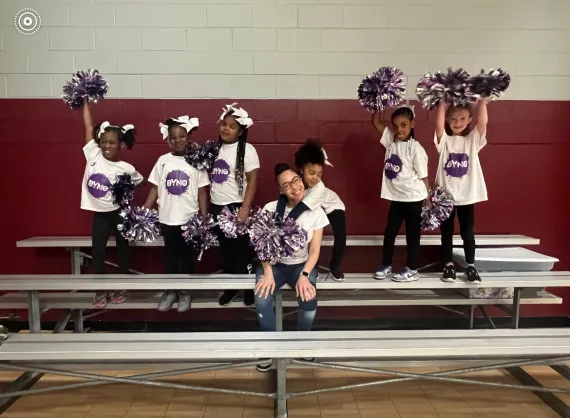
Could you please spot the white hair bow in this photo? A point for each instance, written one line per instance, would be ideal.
(327, 162)
(241, 115)
(106, 125)
(185, 121)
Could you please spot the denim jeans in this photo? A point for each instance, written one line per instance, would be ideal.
(286, 274)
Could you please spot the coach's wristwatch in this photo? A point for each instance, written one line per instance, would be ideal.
(305, 274)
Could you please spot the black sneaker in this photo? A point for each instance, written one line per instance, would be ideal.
(449, 274)
(248, 297)
(227, 297)
(265, 366)
(472, 275)
(336, 275)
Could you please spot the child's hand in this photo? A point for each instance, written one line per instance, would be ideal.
(243, 214)
(429, 203)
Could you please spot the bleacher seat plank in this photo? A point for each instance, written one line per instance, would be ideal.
(46, 282)
(327, 298)
(392, 345)
(352, 240)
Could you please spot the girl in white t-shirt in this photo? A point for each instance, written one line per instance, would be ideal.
(233, 184)
(102, 148)
(309, 160)
(405, 185)
(181, 192)
(299, 271)
(459, 173)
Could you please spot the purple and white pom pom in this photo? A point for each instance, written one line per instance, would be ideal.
(381, 89)
(84, 86)
(489, 85)
(199, 233)
(123, 190)
(203, 157)
(451, 88)
(139, 224)
(229, 223)
(272, 242)
(441, 210)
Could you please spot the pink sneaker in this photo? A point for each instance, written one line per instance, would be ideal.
(118, 297)
(101, 299)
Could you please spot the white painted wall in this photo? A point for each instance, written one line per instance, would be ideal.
(281, 48)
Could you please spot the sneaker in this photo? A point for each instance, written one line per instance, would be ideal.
(449, 274)
(472, 275)
(309, 359)
(167, 300)
(336, 275)
(248, 297)
(265, 366)
(406, 275)
(383, 272)
(101, 299)
(227, 297)
(184, 300)
(119, 297)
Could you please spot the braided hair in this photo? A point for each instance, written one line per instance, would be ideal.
(240, 157)
(127, 137)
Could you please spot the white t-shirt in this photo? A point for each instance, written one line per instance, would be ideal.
(310, 220)
(98, 178)
(321, 196)
(224, 187)
(459, 170)
(405, 165)
(178, 183)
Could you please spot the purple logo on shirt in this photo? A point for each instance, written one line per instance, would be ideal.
(457, 164)
(393, 166)
(98, 185)
(221, 171)
(177, 182)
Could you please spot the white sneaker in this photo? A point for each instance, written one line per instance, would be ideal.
(383, 272)
(184, 300)
(167, 300)
(406, 275)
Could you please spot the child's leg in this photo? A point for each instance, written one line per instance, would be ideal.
(466, 216)
(413, 233)
(337, 219)
(123, 250)
(99, 237)
(395, 218)
(447, 229)
(171, 238)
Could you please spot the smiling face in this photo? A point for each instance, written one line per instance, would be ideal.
(458, 120)
(312, 174)
(230, 129)
(178, 139)
(110, 145)
(292, 186)
(402, 127)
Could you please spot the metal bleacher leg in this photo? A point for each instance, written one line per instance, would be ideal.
(279, 310)
(516, 308)
(281, 392)
(471, 316)
(75, 261)
(78, 321)
(34, 319)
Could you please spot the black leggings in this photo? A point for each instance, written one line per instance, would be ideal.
(466, 216)
(235, 251)
(178, 256)
(337, 219)
(103, 224)
(411, 213)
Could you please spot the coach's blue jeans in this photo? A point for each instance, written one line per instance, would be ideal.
(286, 274)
